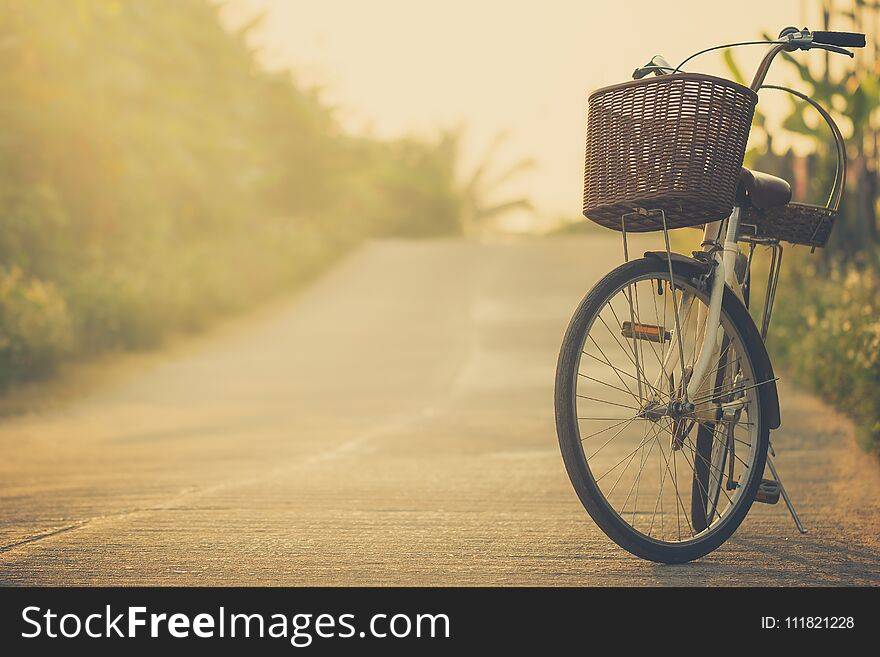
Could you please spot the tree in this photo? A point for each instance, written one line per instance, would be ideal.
(479, 206)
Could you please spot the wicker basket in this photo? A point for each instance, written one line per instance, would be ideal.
(798, 223)
(673, 143)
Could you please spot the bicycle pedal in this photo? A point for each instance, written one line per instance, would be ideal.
(768, 492)
(649, 332)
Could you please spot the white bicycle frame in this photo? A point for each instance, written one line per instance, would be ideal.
(710, 320)
(726, 264)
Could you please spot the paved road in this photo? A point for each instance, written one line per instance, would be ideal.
(391, 425)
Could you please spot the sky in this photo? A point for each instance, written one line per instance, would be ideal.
(397, 67)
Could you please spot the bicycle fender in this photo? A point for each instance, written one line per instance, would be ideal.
(678, 257)
(693, 268)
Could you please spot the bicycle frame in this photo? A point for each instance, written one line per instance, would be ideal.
(725, 274)
(725, 255)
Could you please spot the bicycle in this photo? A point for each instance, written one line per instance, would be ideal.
(665, 393)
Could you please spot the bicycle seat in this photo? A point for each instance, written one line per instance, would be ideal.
(762, 190)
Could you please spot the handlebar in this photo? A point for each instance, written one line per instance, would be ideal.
(795, 39)
(790, 39)
(842, 39)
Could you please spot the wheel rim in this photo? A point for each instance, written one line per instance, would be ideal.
(640, 450)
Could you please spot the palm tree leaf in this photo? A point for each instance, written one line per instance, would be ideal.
(501, 208)
(515, 169)
(476, 178)
(733, 67)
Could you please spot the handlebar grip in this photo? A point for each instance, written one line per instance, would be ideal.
(842, 39)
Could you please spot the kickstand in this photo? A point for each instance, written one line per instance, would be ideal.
(794, 515)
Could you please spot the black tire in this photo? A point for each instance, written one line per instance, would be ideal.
(699, 495)
(703, 501)
(568, 431)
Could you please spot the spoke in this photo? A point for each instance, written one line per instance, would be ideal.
(733, 363)
(744, 464)
(619, 372)
(696, 478)
(723, 354)
(675, 485)
(622, 472)
(635, 340)
(622, 460)
(663, 327)
(707, 462)
(710, 372)
(634, 318)
(608, 328)
(604, 401)
(737, 389)
(676, 308)
(650, 344)
(616, 371)
(711, 466)
(706, 423)
(643, 459)
(659, 501)
(617, 481)
(662, 512)
(739, 440)
(696, 338)
(620, 431)
(606, 429)
(590, 378)
(676, 339)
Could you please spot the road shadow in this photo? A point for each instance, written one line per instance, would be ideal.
(821, 562)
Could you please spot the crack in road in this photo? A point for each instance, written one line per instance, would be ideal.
(43, 535)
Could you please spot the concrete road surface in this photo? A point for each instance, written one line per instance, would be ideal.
(393, 424)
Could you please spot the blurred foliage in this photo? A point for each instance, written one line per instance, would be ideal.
(826, 327)
(482, 184)
(153, 175)
(826, 330)
(34, 323)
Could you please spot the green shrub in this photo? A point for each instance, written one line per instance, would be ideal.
(826, 333)
(34, 326)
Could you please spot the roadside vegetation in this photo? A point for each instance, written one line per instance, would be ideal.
(154, 176)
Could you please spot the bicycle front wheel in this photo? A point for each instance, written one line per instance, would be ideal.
(665, 480)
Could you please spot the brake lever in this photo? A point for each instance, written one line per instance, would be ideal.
(639, 73)
(656, 65)
(830, 48)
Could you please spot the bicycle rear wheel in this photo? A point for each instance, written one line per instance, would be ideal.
(665, 482)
